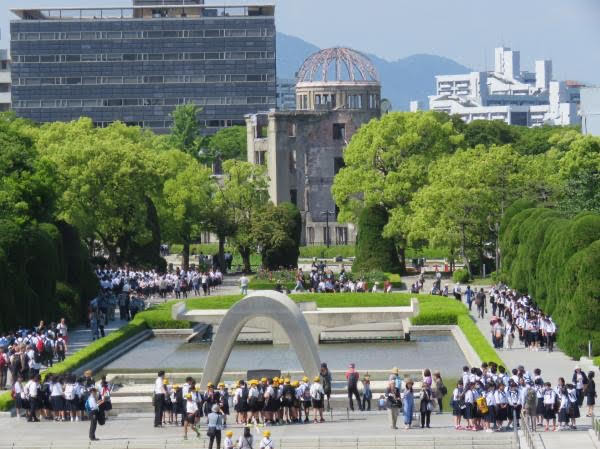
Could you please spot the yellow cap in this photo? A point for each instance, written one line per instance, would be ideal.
(295, 384)
(210, 384)
(221, 384)
(286, 380)
(395, 370)
(176, 386)
(264, 379)
(254, 382)
(229, 433)
(188, 396)
(267, 433)
(166, 381)
(276, 379)
(305, 379)
(316, 379)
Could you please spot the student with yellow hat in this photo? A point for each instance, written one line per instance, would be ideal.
(253, 405)
(288, 394)
(228, 442)
(266, 442)
(191, 408)
(305, 399)
(316, 395)
(223, 401)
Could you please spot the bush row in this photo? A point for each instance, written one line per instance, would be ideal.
(556, 260)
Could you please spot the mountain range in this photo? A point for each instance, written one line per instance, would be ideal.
(403, 80)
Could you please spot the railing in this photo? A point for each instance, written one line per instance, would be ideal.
(596, 426)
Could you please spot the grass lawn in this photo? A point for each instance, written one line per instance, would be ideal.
(482, 281)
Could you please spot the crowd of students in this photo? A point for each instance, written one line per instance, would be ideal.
(151, 284)
(24, 352)
(488, 397)
(323, 280)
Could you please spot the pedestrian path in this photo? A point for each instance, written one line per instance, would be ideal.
(81, 336)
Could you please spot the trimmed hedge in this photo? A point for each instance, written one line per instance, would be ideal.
(439, 310)
(6, 401)
(557, 261)
(373, 251)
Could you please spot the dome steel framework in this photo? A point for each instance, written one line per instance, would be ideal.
(337, 64)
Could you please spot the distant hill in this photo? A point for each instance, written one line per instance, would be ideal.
(410, 78)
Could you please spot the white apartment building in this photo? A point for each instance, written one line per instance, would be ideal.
(590, 111)
(509, 94)
(4, 81)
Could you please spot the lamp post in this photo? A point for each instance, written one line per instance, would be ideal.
(327, 213)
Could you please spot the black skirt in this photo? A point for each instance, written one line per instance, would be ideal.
(540, 409)
(549, 412)
(501, 413)
(591, 399)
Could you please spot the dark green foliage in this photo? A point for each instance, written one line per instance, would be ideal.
(279, 230)
(373, 251)
(557, 261)
(146, 254)
(484, 132)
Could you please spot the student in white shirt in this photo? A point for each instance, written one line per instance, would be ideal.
(267, 442)
(93, 407)
(501, 405)
(32, 392)
(191, 408)
(159, 398)
(549, 401)
(20, 399)
(57, 399)
(316, 394)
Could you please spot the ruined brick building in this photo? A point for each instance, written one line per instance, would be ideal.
(337, 91)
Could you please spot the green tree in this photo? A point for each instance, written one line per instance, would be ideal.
(277, 231)
(105, 177)
(466, 198)
(228, 143)
(387, 162)
(241, 197)
(185, 134)
(187, 201)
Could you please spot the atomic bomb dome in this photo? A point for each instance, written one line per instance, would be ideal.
(337, 64)
(338, 78)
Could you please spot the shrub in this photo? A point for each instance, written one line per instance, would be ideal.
(373, 251)
(6, 401)
(461, 276)
(435, 318)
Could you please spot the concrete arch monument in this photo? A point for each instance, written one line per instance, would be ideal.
(269, 304)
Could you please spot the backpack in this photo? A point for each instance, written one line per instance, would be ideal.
(37, 356)
(87, 405)
(2, 361)
(352, 380)
(444, 390)
(482, 405)
(48, 347)
(498, 332)
(39, 345)
(60, 346)
(245, 395)
(306, 394)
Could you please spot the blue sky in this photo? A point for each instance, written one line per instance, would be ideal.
(566, 31)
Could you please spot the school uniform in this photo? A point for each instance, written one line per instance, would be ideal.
(20, 399)
(590, 392)
(191, 409)
(469, 412)
(541, 407)
(548, 400)
(56, 397)
(573, 404)
(456, 402)
(501, 400)
(490, 399)
(563, 410)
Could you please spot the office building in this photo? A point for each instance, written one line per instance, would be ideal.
(590, 111)
(337, 91)
(286, 94)
(507, 93)
(137, 64)
(4, 81)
